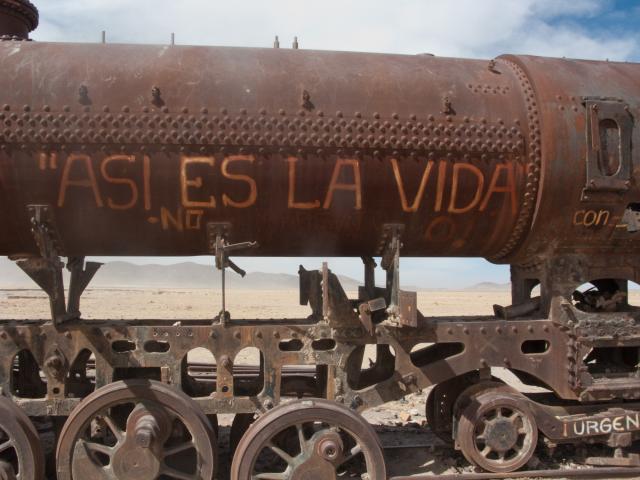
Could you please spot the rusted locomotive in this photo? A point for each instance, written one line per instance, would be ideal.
(173, 150)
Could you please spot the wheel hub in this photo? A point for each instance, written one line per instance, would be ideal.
(320, 463)
(140, 455)
(314, 468)
(135, 463)
(501, 435)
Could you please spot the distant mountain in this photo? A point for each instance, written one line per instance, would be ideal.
(180, 275)
(490, 287)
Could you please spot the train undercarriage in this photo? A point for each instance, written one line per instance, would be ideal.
(126, 401)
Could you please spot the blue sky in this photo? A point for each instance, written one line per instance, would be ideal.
(595, 29)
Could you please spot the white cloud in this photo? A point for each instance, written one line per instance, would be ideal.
(448, 28)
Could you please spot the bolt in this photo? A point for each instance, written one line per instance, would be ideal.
(226, 361)
(143, 438)
(54, 362)
(268, 404)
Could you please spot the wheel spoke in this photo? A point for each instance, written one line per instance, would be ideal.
(173, 473)
(117, 432)
(6, 445)
(270, 476)
(97, 447)
(281, 453)
(178, 448)
(301, 438)
(354, 452)
(485, 451)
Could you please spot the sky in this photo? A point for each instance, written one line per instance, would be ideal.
(594, 29)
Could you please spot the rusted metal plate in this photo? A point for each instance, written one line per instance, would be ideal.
(119, 139)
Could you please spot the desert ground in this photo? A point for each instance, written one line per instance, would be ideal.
(399, 423)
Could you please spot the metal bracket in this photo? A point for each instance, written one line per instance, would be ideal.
(46, 270)
(217, 234)
(81, 275)
(609, 128)
(403, 306)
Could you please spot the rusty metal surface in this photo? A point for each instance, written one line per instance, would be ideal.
(582, 200)
(437, 145)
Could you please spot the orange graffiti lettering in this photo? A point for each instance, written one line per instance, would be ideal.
(403, 196)
(442, 175)
(186, 183)
(292, 203)
(509, 187)
(457, 167)
(89, 181)
(335, 184)
(146, 174)
(120, 181)
(253, 189)
(193, 219)
(168, 220)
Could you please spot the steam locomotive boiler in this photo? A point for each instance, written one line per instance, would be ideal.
(173, 150)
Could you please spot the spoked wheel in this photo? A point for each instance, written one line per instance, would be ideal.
(137, 430)
(497, 431)
(309, 439)
(440, 404)
(21, 455)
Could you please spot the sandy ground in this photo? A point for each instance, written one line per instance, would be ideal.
(191, 304)
(398, 423)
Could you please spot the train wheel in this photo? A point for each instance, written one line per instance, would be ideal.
(497, 431)
(440, 404)
(316, 439)
(137, 430)
(21, 456)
